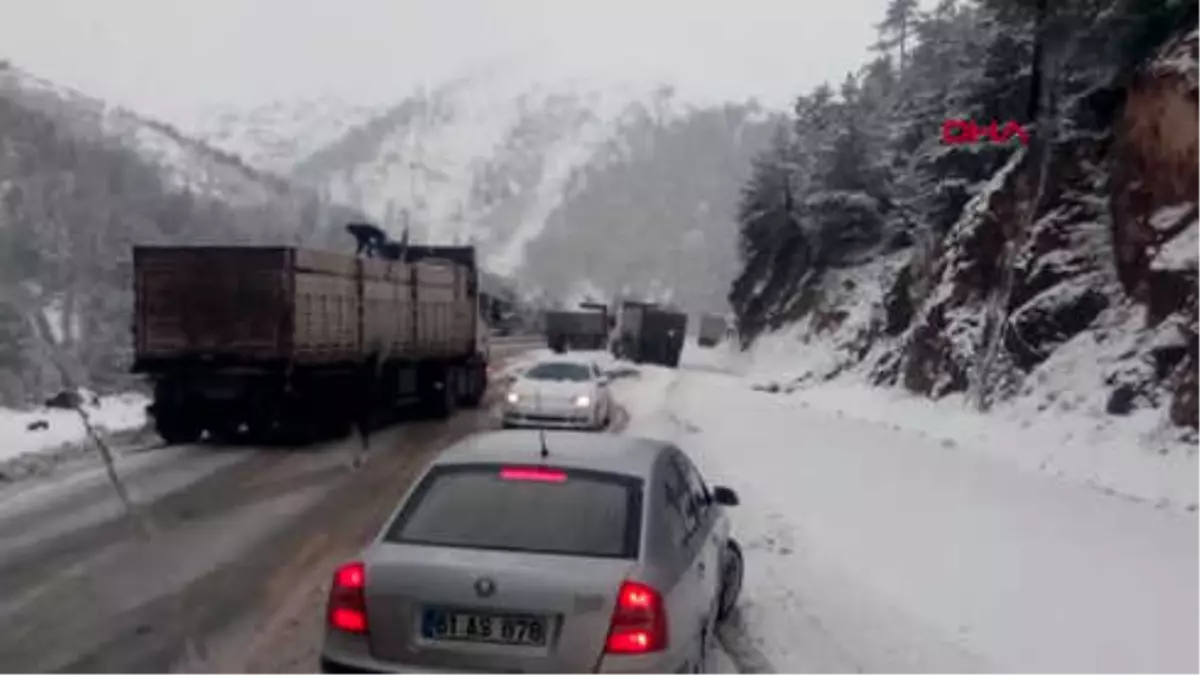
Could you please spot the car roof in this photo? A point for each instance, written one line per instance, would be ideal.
(608, 453)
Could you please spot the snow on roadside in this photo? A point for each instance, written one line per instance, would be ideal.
(792, 617)
(875, 547)
(114, 413)
(1058, 427)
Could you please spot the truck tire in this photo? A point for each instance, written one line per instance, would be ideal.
(439, 396)
(177, 428)
(445, 399)
(476, 386)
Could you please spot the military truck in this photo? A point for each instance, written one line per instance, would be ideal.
(648, 333)
(292, 341)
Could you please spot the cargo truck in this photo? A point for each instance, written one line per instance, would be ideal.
(579, 329)
(297, 342)
(648, 333)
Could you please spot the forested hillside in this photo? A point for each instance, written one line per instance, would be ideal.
(70, 210)
(653, 218)
(1063, 270)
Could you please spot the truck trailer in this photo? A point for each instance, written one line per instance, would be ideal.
(303, 343)
(578, 329)
(648, 333)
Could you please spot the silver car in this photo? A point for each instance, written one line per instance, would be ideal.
(527, 551)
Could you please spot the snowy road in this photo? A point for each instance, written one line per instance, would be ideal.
(243, 542)
(869, 548)
(238, 531)
(872, 548)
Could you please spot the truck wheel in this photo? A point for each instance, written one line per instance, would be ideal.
(446, 400)
(178, 428)
(440, 398)
(476, 386)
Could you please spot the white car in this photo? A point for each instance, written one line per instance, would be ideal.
(560, 393)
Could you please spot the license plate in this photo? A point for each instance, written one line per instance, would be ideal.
(504, 629)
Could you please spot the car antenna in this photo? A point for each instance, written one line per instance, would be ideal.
(545, 452)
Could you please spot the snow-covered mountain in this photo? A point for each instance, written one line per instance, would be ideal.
(185, 162)
(279, 135)
(478, 159)
(495, 157)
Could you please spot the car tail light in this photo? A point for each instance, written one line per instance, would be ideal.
(534, 474)
(639, 622)
(347, 599)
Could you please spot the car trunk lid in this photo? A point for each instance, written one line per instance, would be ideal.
(494, 610)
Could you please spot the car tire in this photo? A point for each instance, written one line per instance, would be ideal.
(733, 572)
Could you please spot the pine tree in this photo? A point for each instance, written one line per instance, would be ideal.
(895, 30)
(767, 226)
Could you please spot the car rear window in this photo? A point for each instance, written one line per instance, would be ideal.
(474, 506)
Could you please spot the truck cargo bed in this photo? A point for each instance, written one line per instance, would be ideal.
(289, 305)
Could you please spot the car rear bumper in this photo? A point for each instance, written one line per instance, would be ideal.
(351, 654)
(653, 664)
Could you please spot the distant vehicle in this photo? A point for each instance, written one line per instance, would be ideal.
(565, 553)
(582, 329)
(648, 333)
(304, 342)
(713, 329)
(560, 393)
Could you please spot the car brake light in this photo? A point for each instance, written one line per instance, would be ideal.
(347, 600)
(542, 475)
(639, 622)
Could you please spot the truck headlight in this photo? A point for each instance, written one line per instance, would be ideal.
(583, 401)
(513, 397)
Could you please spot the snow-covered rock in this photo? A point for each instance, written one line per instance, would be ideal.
(1155, 202)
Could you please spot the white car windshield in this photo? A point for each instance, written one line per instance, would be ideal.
(559, 371)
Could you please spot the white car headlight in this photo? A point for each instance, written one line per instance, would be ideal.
(583, 401)
(513, 397)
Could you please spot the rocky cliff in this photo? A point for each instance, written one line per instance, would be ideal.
(1154, 208)
(1068, 281)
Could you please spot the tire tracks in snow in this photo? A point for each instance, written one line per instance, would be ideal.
(733, 635)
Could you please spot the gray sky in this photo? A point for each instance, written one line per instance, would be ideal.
(173, 58)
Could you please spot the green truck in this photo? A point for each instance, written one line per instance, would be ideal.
(649, 333)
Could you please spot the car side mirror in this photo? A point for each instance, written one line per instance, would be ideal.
(725, 496)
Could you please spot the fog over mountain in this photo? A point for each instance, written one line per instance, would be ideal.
(561, 184)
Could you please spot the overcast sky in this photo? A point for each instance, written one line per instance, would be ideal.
(173, 58)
